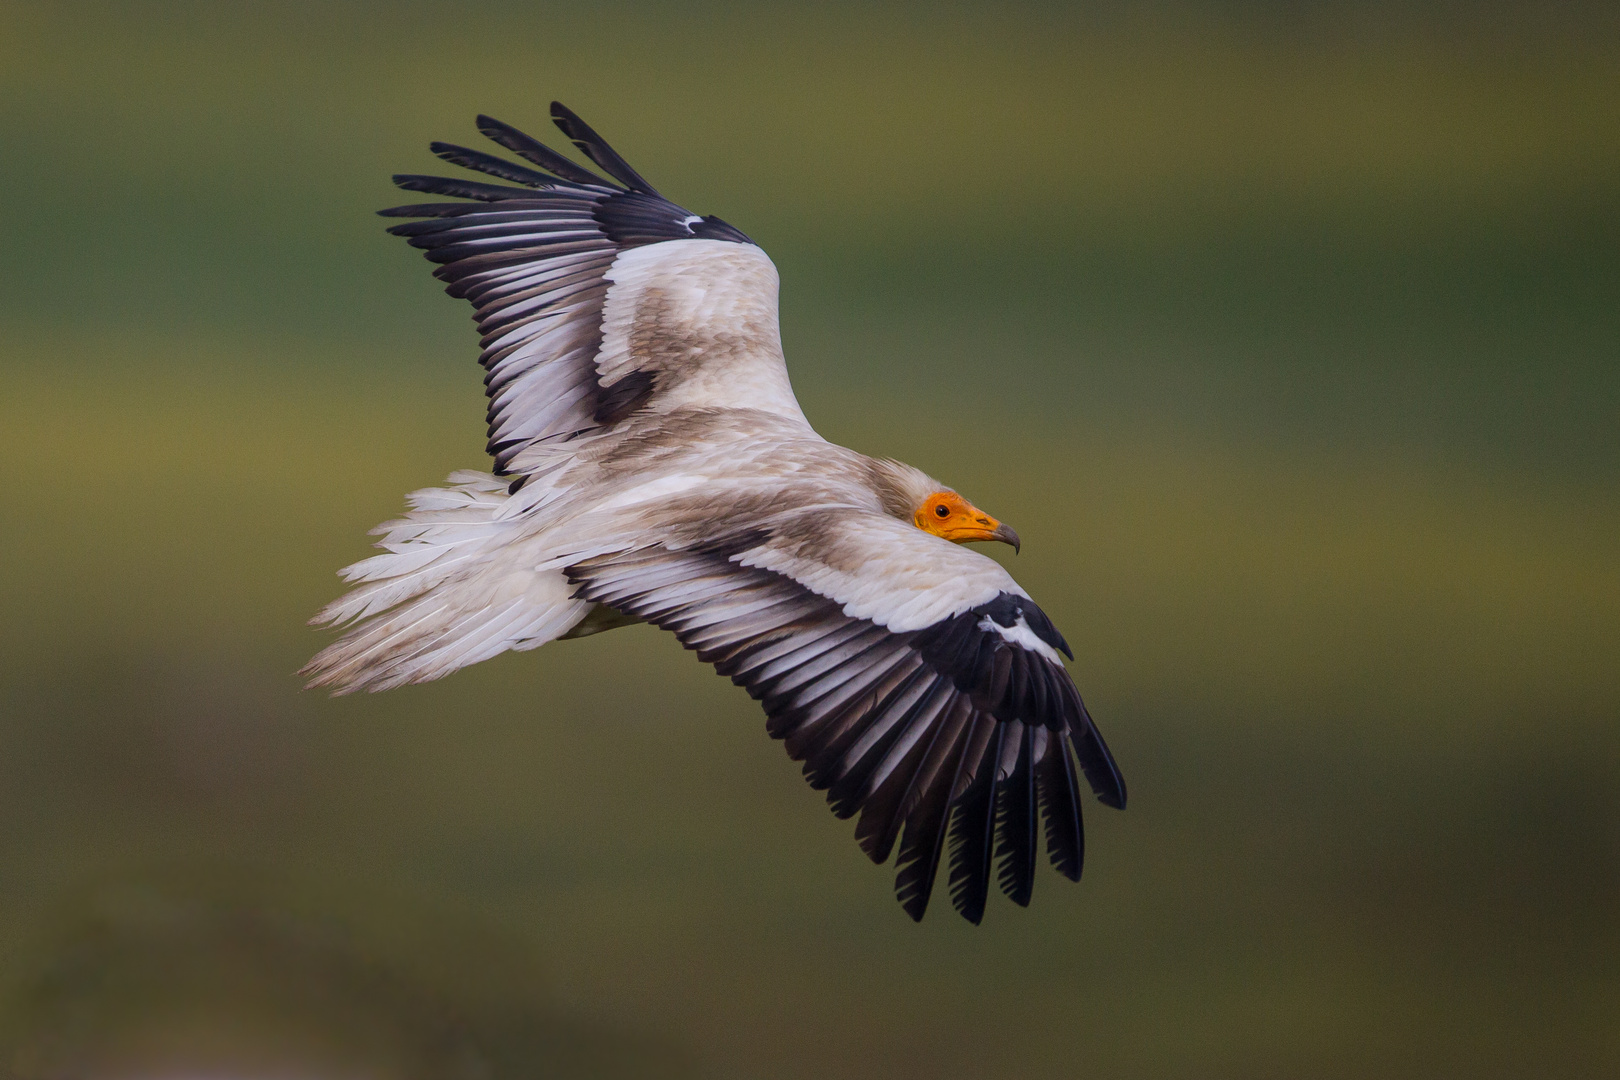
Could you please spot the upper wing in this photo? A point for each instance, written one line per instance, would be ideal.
(595, 298)
(964, 723)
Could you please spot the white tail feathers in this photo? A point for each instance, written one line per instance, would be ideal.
(450, 589)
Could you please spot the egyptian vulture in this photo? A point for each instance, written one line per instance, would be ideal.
(652, 465)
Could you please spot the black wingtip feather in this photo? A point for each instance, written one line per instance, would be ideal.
(531, 149)
(917, 866)
(428, 210)
(596, 148)
(460, 189)
(1106, 781)
(491, 165)
(1060, 807)
(1017, 819)
(973, 837)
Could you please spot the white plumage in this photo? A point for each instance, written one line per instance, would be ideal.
(652, 464)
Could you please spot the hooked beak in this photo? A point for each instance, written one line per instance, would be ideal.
(985, 528)
(1006, 535)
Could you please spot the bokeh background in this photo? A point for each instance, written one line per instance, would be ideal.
(1287, 334)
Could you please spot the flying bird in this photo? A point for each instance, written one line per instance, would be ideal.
(652, 465)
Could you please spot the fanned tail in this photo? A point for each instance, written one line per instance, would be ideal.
(448, 591)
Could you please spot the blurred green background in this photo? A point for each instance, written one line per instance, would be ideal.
(1287, 334)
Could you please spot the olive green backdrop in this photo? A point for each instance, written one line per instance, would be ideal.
(1287, 335)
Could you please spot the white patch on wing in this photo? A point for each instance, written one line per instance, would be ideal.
(1021, 635)
(701, 316)
(889, 572)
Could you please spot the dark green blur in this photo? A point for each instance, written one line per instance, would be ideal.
(1287, 336)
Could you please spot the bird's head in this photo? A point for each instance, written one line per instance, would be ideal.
(934, 508)
(945, 513)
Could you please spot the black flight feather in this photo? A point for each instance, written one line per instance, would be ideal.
(882, 814)
(496, 231)
(430, 210)
(833, 719)
(918, 862)
(1060, 807)
(491, 165)
(846, 791)
(1095, 760)
(973, 839)
(892, 801)
(1017, 822)
(532, 206)
(531, 149)
(460, 189)
(596, 148)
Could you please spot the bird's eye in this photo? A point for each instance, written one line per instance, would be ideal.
(942, 510)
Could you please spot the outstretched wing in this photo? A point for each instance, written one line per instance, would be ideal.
(595, 297)
(932, 701)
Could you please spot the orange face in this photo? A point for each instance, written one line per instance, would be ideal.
(946, 514)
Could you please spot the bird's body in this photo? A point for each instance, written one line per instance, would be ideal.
(653, 465)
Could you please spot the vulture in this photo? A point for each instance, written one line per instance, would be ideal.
(652, 465)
